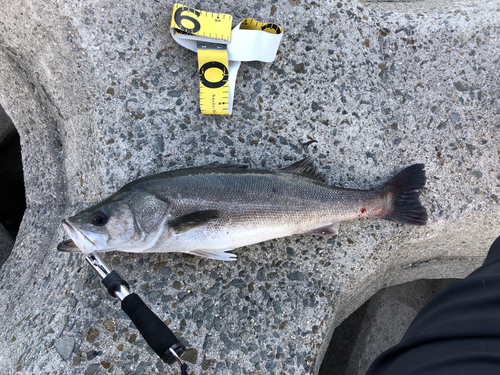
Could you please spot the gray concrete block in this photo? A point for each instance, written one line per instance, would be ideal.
(100, 95)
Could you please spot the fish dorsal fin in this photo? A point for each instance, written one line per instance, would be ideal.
(192, 220)
(306, 168)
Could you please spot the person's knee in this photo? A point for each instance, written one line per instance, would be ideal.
(494, 252)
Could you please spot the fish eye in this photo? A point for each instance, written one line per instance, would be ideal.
(99, 218)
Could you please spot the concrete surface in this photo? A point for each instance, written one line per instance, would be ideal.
(100, 95)
(377, 325)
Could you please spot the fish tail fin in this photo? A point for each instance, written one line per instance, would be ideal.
(404, 189)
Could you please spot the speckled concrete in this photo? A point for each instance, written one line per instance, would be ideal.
(100, 95)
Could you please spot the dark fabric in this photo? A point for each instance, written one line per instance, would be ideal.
(456, 333)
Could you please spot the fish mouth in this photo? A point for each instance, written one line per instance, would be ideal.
(78, 242)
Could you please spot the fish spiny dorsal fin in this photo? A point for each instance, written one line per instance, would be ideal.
(305, 167)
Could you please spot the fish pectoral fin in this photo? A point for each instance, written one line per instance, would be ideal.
(215, 254)
(192, 220)
(328, 230)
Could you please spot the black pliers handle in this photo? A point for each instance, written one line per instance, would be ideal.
(156, 333)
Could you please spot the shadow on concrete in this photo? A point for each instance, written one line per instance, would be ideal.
(12, 193)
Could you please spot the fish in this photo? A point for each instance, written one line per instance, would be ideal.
(209, 211)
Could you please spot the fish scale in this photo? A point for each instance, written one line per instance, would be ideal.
(269, 193)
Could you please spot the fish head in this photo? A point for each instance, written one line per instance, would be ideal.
(127, 221)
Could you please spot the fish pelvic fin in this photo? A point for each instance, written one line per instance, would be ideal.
(215, 254)
(404, 188)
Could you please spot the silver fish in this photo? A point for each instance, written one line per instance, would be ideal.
(208, 211)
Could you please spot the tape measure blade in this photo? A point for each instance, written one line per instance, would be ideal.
(251, 40)
(214, 78)
(200, 23)
(251, 45)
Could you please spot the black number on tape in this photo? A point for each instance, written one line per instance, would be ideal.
(216, 65)
(271, 26)
(178, 17)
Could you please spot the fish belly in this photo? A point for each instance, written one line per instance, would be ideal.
(213, 240)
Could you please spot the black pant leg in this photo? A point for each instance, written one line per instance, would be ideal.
(456, 333)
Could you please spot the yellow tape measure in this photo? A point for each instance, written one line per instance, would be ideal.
(214, 78)
(251, 24)
(213, 64)
(210, 34)
(203, 24)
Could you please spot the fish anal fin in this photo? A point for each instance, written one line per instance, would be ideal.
(328, 230)
(192, 220)
(306, 168)
(215, 254)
